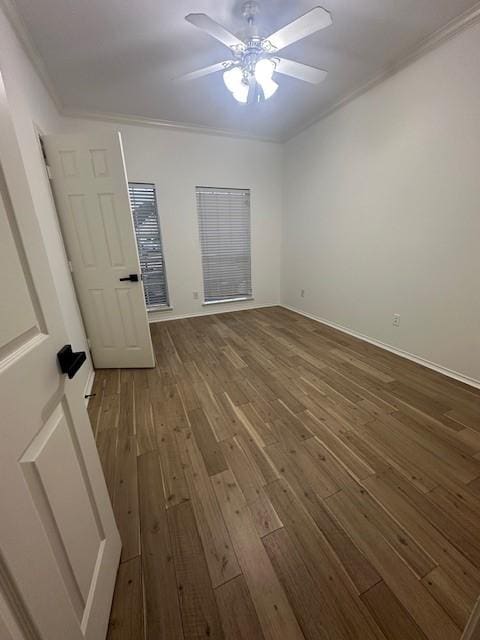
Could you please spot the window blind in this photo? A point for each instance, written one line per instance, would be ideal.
(143, 201)
(224, 225)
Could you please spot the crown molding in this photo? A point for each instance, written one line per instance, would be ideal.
(439, 37)
(127, 119)
(431, 42)
(23, 34)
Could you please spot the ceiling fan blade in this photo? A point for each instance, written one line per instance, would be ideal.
(309, 23)
(205, 71)
(202, 21)
(298, 70)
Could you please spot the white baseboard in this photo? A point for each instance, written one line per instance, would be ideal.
(472, 382)
(213, 311)
(89, 385)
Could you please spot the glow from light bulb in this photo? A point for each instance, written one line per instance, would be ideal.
(241, 93)
(233, 79)
(263, 75)
(269, 87)
(264, 70)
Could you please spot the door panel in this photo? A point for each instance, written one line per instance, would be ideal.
(59, 545)
(91, 192)
(72, 516)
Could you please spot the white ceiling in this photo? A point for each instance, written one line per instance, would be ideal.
(119, 56)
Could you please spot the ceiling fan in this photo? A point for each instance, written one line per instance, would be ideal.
(248, 75)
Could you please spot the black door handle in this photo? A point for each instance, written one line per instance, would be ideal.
(70, 361)
(133, 277)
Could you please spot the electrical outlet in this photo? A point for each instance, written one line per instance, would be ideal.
(396, 320)
(302, 293)
(195, 295)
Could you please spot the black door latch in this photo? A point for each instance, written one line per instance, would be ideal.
(133, 277)
(70, 361)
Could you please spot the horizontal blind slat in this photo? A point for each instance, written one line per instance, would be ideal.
(143, 202)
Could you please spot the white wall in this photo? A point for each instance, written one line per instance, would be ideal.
(382, 211)
(31, 108)
(176, 162)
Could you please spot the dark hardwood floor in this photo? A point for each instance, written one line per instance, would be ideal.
(273, 478)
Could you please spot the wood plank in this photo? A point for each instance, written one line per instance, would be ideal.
(239, 618)
(366, 368)
(298, 467)
(112, 381)
(162, 610)
(460, 536)
(391, 617)
(221, 558)
(397, 537)
(144, 430)
(444, 458)
(126, 617)
(200, 618)
(390, 490)
(256, 426)
(174, 482)
(264, 515)
(299, 585)
(107, 451)
(109, 413)
(125, 501)
(411, 462)
(126, 421)
(257, 457)
(207, 443)
(426, 612)
(450, 595)
(464, 440)
(273, 609)
(345, 614)
(357, 467)
(251, 483)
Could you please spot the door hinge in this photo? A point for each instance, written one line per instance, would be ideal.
(89, 343)
(49, 172)
(70, 266)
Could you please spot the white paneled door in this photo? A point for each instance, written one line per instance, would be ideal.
(59, 545)
(91, 193)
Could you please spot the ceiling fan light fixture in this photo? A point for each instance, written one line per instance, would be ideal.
(241, 94)
(264, 70)
(233, 79)
(269, 87)
(263, 75)
(235, 83)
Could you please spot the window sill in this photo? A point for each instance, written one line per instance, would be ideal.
(159, 308)
(207, 304)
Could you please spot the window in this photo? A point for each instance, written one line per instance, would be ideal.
(149, 242)
(224, 224)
